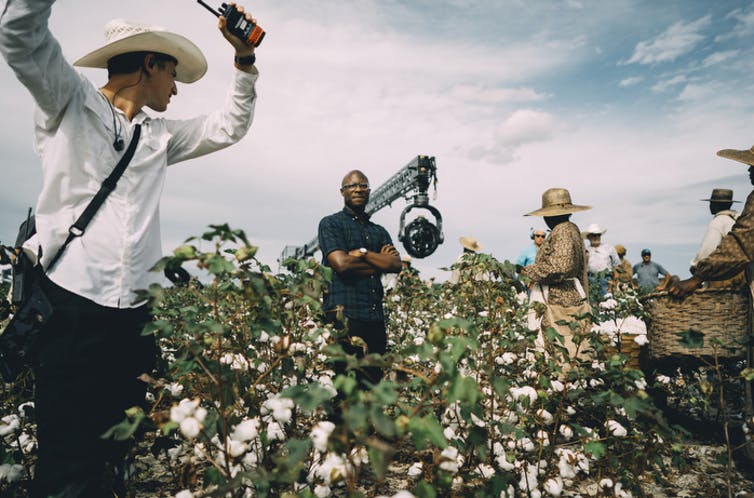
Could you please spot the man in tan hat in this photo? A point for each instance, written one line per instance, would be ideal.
(91, 351)
(470, 246)
(720, 204)
(560, 267)
(622, 273)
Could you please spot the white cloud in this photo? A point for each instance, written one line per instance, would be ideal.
(631, 81)
(479, 94)
(719, 57)
(744, 24)
(664, 85)
(677, 40)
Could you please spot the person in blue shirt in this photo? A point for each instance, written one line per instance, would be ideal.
(647, 273)
(529, 253)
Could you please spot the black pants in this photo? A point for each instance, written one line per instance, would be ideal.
(86, 369)
(375, 337)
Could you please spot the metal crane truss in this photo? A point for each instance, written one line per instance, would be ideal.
(420, 239)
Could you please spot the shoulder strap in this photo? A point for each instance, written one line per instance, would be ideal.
(78, 228)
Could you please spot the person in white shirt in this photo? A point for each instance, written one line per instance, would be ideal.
(720, 203)
(91, 351)
(601, 260)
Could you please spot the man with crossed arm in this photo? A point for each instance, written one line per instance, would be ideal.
(359, 252)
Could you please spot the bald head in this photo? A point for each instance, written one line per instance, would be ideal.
(355, 190)
(358, 177)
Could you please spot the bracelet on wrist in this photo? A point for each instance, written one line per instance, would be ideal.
(246, 60)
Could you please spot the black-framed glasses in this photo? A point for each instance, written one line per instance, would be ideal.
(539, 235)
(354, 186)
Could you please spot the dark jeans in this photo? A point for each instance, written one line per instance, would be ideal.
(86, 370)
(374, 336)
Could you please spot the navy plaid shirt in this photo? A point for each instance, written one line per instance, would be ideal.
(361, 296)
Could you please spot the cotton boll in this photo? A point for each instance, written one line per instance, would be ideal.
(484, 470)
(615, 428)
(274, 431)
(236, 448)
(11, 472)
(190, 427)
(545, 416)
(606, 483)
(641, 383)
(246, 430)
(322, 491)
(543, 438)
(321, 434)
(557, 386)
(415, 470)
(566, 431)
(200, 414)
(184, 409)
(184, 494)
(9, 424)
(554, 486)
(403, 494)
(641, 339)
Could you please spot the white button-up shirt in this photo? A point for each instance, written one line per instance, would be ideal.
(601, 258)
(716, 230)
(74, 136)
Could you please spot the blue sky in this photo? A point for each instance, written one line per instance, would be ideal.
(622, 102)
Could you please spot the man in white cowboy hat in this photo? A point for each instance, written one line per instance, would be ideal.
(735, 252)
(91, 351)
(470, 246)
(602, 258)
(559, 272)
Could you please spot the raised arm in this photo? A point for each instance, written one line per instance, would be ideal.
(36, 57)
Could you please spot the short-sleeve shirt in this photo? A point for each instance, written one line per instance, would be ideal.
(646, 274)
(360, 296)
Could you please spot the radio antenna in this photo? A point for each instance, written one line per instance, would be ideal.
(209, 8)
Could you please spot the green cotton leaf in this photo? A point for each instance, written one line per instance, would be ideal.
(748, 374)
(463, 389)
(169, 427)
(595, 448)
(378, 461)
(308, 397)
(127, 427)
(691, 339)
(384, 393)
(381, 422)
(356, 416)
(425, 490)
(633, 406)
(213, 476)
(426, 430)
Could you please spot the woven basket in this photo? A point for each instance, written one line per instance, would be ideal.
(628, 347)
(721, 314)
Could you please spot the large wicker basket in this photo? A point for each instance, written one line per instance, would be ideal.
(721, 314)
(628, 347)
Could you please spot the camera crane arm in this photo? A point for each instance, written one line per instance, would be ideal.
(420, 237)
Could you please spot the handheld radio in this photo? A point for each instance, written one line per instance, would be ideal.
(249, 32)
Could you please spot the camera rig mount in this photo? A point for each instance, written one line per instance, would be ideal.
(420, 237)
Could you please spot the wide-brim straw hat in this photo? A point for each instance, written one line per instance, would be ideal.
(742, 156)
(470, 244)
(593, 228)
(721, 195)
(122, 37)
(555, 202)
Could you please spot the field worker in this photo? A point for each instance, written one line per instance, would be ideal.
(735, 253)
(647, 273)
(91, 351)
(723, 217)
(470, 247)
(529, 253)
(559, 273)
(602, 259)
(623, 272)
(359, 252)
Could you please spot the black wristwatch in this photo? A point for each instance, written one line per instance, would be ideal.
(246, 60)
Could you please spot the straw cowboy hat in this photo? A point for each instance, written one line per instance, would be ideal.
(742, 156)
(123, 36)
(470, 244)
(555, 202)
(721, 195)
(594, 228)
